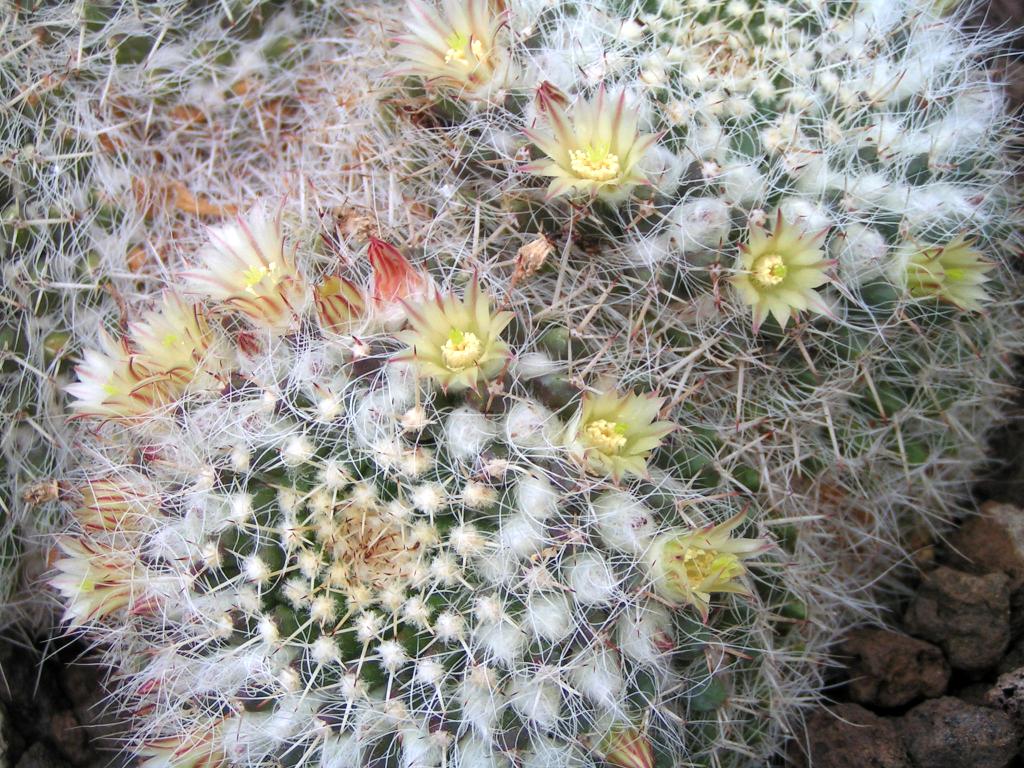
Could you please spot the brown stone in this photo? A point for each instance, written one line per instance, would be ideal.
(891, 669)
(947, 732)
(849, 736)
(968, 616)
(993, 542)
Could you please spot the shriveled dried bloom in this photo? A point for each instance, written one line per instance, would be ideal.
(531, 257)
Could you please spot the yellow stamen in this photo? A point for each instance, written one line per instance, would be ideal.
(594, 164)
(769, 270)
(454, 55)
(700, 564)
(254, 275)
(456, 52)
(461, 350)
(606, 436)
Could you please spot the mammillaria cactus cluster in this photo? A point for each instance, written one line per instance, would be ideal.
(570, 373)
(308, 538)
(803, 208)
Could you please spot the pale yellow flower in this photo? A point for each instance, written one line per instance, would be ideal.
(246, 268)
(595, 151)
(688, 566)
(955, 273)
(113, 383)
(118, 504)
(778, 272)
(176, 340)
(97, 582)
(200, 749)
(456, 342)
(340, 304)
(613, 434)
(459, 49)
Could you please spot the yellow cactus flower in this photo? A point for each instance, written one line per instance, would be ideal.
(688, 566)
(955, 273)
(778, 272)
(245, 267)
(613, 434)
(97, 581)
(456, 342)
(113, 383)
(458, 49)
(176, 340)
(200, 749)
(595, 151)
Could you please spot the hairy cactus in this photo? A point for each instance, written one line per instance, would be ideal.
(328, 508)
(302, 536)
(88, 204)
(802, 210)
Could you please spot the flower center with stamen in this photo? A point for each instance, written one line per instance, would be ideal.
(171, 340)
(462, 350)
(458, 44)
(769, 270)
(606, 436)
(701, 563)
(594, 164)
(255, 274)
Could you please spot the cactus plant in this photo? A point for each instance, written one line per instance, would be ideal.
(82, 175)
(804, 210)
(406, 548)
(711, 273)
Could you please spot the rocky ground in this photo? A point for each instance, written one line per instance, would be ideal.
(50, 708)
(943, 688)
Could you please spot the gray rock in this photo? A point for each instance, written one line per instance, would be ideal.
(1008, 695)
(968, 616)
(891, 669)
(39, 755)
(851, 737)
(946, 732)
